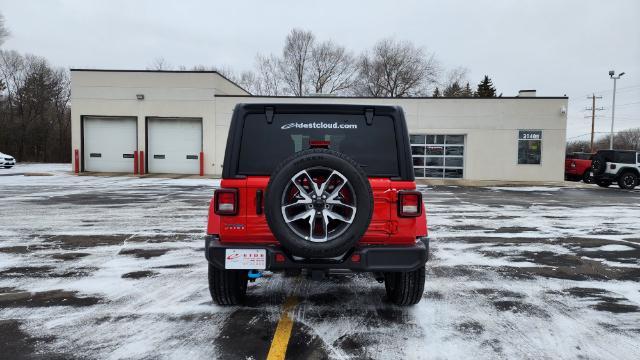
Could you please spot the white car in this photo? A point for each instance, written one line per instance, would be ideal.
(7, 161)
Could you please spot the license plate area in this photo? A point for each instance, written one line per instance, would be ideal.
(245, 259)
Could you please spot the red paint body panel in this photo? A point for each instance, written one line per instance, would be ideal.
(386, 226)
(580, 167)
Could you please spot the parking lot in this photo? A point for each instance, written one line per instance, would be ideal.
(113, 267)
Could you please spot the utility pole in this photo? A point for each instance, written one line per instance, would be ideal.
(613, 107)
(593, 116)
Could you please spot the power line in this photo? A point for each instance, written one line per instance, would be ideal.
(631, 103)
(597, 132)
(626, 88)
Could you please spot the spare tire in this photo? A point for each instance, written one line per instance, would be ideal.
(318, 203)
(598, 165)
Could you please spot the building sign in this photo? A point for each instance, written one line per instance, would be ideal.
(530, 134)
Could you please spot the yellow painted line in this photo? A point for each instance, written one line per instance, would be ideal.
(278, 348)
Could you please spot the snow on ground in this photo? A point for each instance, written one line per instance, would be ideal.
(112, 267)
(524, 188)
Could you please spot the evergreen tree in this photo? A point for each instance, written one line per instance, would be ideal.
(436, 92)
(466, 92)
(485, 88)
(453, 90)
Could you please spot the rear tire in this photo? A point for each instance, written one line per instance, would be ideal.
(603, 183)
(628, 180)
(405, 288)
(227, 287)
(586, 177)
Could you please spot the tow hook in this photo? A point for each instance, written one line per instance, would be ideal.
(254, 274)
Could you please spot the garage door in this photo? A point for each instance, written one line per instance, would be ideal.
(109, 143)
(174, 145)
(438, 156)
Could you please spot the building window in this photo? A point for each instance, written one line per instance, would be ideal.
(529, 146)
(438, 156)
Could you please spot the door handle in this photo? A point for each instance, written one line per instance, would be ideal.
(158, 156)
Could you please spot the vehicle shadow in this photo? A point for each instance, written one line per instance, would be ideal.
(324, 318)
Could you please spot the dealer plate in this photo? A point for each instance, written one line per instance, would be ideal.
(245, 259)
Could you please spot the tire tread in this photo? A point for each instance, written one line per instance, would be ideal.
(405, 288)
(227, 287)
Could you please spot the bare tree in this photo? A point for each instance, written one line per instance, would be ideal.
(295, 58)
(457, 74)
(628, 139)
(332, 68)
(4, 32)
(396, 69)
(453, 84)
(248, 81)
(159, 63)
(35, 114)
(269, 80)
(577, 146)
(226, 71)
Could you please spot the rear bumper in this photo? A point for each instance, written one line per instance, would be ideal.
(378, 258)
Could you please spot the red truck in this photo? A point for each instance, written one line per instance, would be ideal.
(577, 166)
(317, 189)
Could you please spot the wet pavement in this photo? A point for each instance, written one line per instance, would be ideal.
(113, 267)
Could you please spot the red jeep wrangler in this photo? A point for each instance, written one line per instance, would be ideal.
(577, 166)
(319, 189)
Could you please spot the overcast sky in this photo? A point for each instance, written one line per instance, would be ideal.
(555, 47)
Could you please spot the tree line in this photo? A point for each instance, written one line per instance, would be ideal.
(310, 66)
(628, 139)
(35, 115)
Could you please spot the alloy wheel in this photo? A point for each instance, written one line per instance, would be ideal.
(318, 204)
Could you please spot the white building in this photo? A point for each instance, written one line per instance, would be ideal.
(177, 122)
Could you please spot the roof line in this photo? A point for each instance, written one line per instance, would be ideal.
(151, 71)
(169, 72)
(391, 98)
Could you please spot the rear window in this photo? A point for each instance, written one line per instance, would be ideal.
(264, 145)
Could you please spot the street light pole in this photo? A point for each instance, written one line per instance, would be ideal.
(613, 106)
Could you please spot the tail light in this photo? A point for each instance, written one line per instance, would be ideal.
(225, 201)
(573, 164)
(409, 203)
